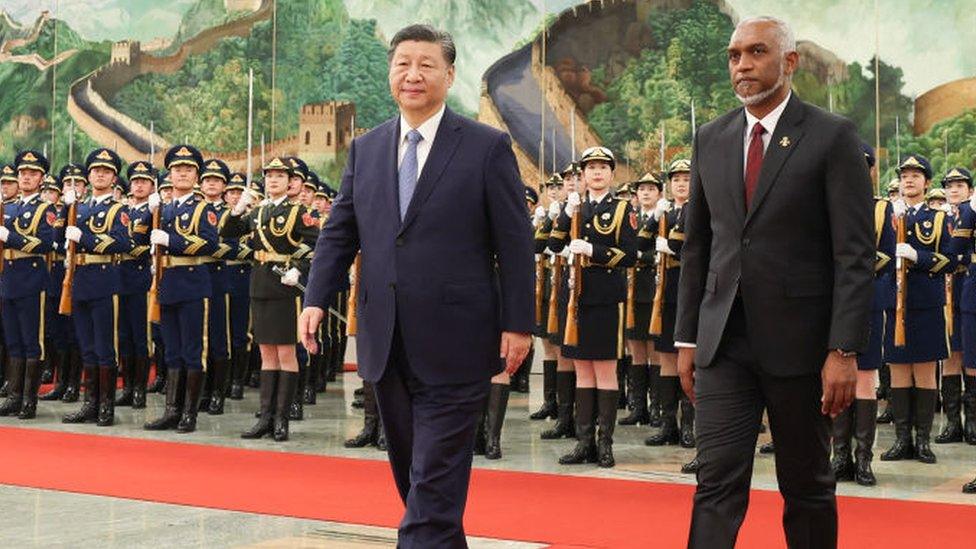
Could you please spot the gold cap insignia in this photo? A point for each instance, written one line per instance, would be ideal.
(213, 165)
(30, 157)
(141, 168)
(184, 152)
(104, 155)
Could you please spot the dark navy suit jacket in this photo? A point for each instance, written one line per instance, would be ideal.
(454, 274)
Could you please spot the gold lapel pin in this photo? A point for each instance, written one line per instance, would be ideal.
(785, 142)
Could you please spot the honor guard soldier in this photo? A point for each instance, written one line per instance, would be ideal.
(858, 419)
(668, 248)
(544, 268)
(277, 230)
(8, 189)
(213, 181)
(238, 289)
(99, 233)
(936, 199)
(303, 256)
(188, 235)
(28, 237)
(135, 267)
(965, 228)
(928, 254)
(644, 370)
(893, 190)
(164, 190)
(297, 178)
(604, 246)
(957, 185)
(55, 325)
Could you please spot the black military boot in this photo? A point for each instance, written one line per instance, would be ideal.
(206, 386)
(952, 405)
(159, 366)
(520, 381)
(585, 450)
(606, 419)
(637, 396)
(220, 372)
(332, 361)
(924, 415)
(623, 368)
(269, 384)
(296, 410)
(969, 407)
(75, 368)
(654, 394)
(371, 421)
(322, 378)
(254, 367)
(669, 434)
(106, 395)
(140, 377)
(687, 422)
(692, 467)
(565, 390)
(126, 366)
(47, 365)
(549, 408)
(174, 403)
(311, 374)
(497, 405)
(188, 421)
(59, 360)
(89, 408)
(884, 393)
(381, 439)
(32, 382)
(842, 428)
(901, 405)
(15, 387)
(238, 366)
(287, 390)
(864, 430)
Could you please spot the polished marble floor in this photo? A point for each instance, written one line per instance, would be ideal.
(29, 514)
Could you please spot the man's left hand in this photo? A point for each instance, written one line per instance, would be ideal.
(515, 347)
(839, 377)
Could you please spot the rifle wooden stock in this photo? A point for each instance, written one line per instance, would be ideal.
(576, 286)
(657, 323)
(352, 325)
(67, 285)
(948, 305)
(157, 260)
(631, 314)
(901, 274)
(540, 287)
(552, 323)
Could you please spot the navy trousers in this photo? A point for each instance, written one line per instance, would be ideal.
(23, 326)
(184, 329)
(96, 324)
(134, 325)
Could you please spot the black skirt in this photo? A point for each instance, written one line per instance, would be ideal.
(642, 322)
(275, 321)
(600, 333)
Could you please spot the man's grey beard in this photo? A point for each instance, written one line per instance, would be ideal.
(765, 94)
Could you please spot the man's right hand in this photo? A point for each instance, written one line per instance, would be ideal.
(308, 327)
(686, 371)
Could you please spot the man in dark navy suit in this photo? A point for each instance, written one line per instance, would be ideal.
(435, 204)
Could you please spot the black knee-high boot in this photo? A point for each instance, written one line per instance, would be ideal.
(952, 405)
(654, 394)
(89, 409)
(606, 419)
(623, 371)
(901, 407)
(843, 462)
(687, 421)
(287, 389)
(32, 382)
(497, 405)
(669, 434)
(371, 421)
(924, 415)
(565, 391)
(637, 396)
(59, 359)
(865, 426)
(269, 385)
(107, 377)
(969, 407)
(549, 407)
(585, 449)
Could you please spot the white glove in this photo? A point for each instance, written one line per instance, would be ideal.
(352, 277)
(159, 237)
(72, 233)
(663, 206)
(947, 208)
(565, 253)
(69, 196)
(4, 233)
(265, 202)
(540, 213)
(906, 251)
(243, 203)
(65, 262)
(661, 245)
(154, 202)
(581, 247)
(554, 210)
(290, 278)
(572, 203)
(899, 207)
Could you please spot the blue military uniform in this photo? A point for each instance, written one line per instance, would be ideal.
(163, 183)
(238, 277)
(965, 229)
(104, 233)
(8, 177)
(135, 266)
(190, 225)
(23, 290)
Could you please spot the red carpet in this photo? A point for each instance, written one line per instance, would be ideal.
(564, 511)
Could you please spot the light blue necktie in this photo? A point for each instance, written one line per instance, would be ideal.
(408, 171)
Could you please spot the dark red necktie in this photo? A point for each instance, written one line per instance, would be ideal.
(754, 161)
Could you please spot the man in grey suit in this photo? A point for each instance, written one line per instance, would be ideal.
(775, 291)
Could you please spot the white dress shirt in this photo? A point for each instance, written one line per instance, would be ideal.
(768, 122)
(428, 129)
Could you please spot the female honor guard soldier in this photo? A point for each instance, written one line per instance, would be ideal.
(543, 226)
(929, 251)
(278, 229)
(648, 190)
(606, 245)
(858, 420)
(188, 234)
(28, 237)
(100, 232)
(238, 287)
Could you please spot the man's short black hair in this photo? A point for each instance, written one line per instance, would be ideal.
(424, 33)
